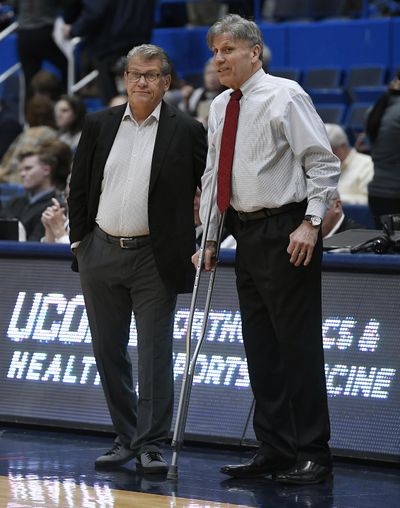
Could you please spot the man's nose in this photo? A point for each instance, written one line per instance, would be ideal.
(218, 57)
(142, 80)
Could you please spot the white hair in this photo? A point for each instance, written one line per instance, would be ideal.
(336, 135)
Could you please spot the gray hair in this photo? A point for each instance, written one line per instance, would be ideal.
(336, 135)
(239, 28)
(150, 52)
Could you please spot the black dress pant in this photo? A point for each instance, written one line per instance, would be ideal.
(282, 331)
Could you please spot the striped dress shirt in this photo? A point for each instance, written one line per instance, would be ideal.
(282, 153)
(123, 206)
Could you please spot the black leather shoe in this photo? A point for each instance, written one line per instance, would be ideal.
(257, 466)
(305, 472)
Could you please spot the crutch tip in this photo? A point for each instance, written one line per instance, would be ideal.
(172, 472)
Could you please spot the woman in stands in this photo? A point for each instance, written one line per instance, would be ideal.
(383, 130)
(70, 112)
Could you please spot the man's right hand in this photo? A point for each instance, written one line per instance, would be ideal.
(210, 260)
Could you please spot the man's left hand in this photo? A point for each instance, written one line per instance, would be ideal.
(302, 242)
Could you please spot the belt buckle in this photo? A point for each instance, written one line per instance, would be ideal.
(122, 242)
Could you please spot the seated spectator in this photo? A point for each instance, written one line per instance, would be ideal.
(44, 170)
(197, 102)
(40, 127)
(55, 220)
(335, 221)
(177, 90)
(70, 113)
(357, 169)
(46, 84)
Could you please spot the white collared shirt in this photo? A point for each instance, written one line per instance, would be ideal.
(123, 206)
(282, 153)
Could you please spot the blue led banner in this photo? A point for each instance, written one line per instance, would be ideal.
(48, 374)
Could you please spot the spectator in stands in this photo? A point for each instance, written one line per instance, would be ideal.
(55, 219)
(40, 127)
(35, 42)
(383, 130)
(356, 169)
(197, 101)
(335, 220)
(46, 84)
(110, 28)
(44, 170)
(9, 129)
(70, 113)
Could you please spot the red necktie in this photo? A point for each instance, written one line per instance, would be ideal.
(227, 151)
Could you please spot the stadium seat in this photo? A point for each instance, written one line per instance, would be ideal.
(331, 113)
(366, 75)
(356, 115)
(286, 72)
(322, 77)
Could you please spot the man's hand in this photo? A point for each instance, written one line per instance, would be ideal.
(302, 243)
(209, 256)
(53, 220)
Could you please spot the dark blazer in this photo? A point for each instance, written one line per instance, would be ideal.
(29, 214)
(178, 163)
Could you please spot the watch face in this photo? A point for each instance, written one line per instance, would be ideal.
(315, 221)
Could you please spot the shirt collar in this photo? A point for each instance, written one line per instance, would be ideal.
(249, 85)
(154, 114)
(40, 195)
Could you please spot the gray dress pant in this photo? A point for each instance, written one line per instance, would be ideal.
(115, 282)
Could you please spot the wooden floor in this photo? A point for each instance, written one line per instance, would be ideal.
(32, 493)
(49, 469)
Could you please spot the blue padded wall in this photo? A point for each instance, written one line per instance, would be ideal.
(340, 43)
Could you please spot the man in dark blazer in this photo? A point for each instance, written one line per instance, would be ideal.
(133, 183)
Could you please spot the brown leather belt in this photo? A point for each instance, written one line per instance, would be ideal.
(125, 242)
(268, 212)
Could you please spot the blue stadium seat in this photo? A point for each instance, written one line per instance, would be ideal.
(365, 75)
(323, 84)
(357, 115)
(331, 113)
(286, 72)
(368, 93)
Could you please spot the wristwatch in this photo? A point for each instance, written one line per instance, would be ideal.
(314, 220)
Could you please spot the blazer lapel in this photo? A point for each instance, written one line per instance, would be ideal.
(165, 132)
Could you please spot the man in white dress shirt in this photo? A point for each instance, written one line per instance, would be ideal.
(282, 176)
(134, 177)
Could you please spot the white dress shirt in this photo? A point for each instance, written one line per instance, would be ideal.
(123, 206)
(282, 153)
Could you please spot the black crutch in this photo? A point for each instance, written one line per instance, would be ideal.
(190, 362)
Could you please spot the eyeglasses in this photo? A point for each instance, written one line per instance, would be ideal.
(134, 77)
